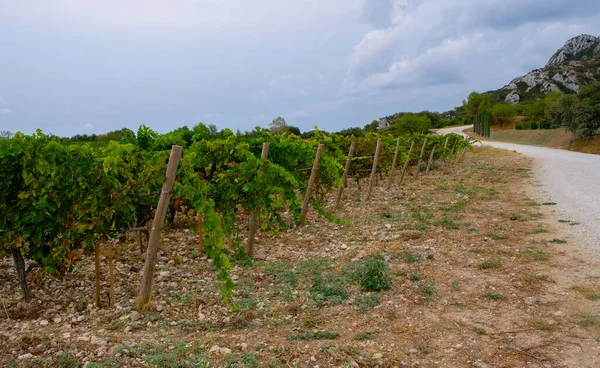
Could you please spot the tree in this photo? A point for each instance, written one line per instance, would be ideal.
(587, 112)
(372, 126)
(5, 134)
(562, 111)
(476, 103)
(503, 113)
(294, 130)
(278, 125)
(411, 124)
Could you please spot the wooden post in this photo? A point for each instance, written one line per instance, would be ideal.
(421, 156)
(111, 275)
(393, 164)
(97, 268)
(157, 223)
(405, 167)
(311, 184)
(374, 169)
(345, 175)
(430, 159)
(252, 221)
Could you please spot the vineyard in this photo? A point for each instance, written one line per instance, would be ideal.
(61, 199)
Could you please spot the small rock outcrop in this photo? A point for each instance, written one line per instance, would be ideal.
(575, 48)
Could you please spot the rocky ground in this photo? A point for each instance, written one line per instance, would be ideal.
(475, 267)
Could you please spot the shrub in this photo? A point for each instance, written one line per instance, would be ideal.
(519, 126)
(331, 289)
(534, 125)
(373, 274)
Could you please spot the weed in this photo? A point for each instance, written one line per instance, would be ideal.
(373, 274)
(67, 360)
(424, 348)
(590, 320)
(476, 250)
(188, 299)
(489, 263)
(549, 204)
(117, 325)
(472, 229)
(494, 295)
(558, 241)
(392, 316)
(186, 325)
(448, 223)
(319, 335)
(497, 236)
(535, 254)
(428, 289)
(587, 292)
(455, 284)
(331, 289)
(534, 278)
(542, 325)
(409, 257)
(415, 277)
(310, 266)
(539, 230)
(250, 361)
(366, 301)
(364, 336)
(480, 330)
(431, 256)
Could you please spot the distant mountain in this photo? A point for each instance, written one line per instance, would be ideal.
(574, 64)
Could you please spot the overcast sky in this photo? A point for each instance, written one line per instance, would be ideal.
(73, 66)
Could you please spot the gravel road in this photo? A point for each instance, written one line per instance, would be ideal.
(571, 179)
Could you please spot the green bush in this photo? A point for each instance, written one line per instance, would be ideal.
(330, 289)
(534, 125)
(373, 274)
(519, 126)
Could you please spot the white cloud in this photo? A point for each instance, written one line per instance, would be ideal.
(448, 41)
(88, 126)
(6, 111)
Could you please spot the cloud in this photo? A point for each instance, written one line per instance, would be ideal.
(6, 111)
(438, 42)
(88, 126)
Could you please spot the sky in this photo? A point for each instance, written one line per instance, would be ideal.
(81, 67)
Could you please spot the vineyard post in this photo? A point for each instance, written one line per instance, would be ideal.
(97, 269)
(393, 164)
(345, 175)
(252, 221)
(430, 159)
(311, 184)
(111, 276)
(421, 156)
(405, 167)
(374, 169)
(157, 223)
(446, 145)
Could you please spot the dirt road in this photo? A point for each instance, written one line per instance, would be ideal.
(571, 179)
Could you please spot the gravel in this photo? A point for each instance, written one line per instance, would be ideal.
(571, 179)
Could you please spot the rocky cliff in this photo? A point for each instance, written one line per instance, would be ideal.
(576, 63)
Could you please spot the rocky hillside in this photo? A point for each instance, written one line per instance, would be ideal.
(574, 64)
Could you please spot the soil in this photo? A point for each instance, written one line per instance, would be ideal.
(482, 275)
